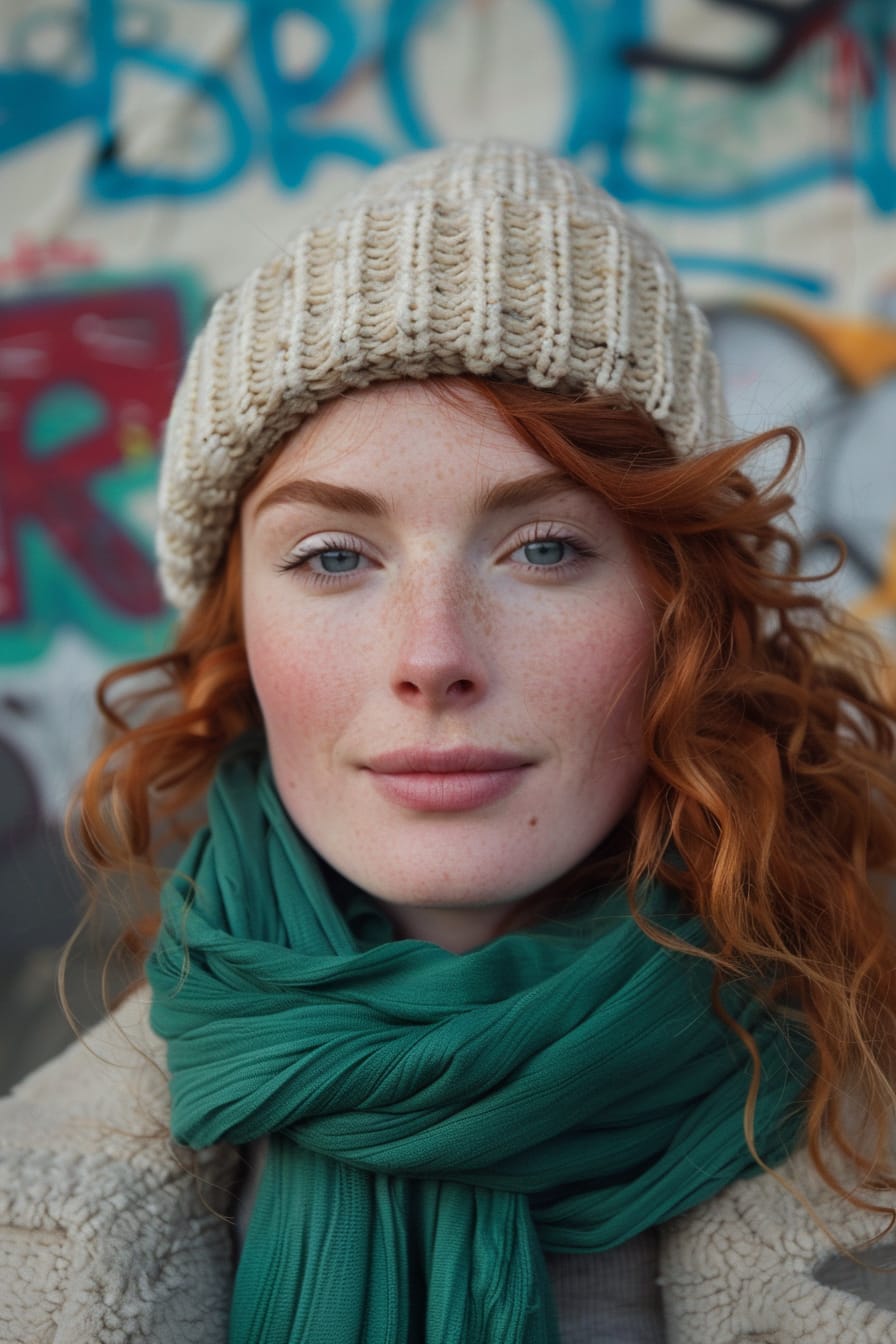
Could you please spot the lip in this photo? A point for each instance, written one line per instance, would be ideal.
(444, 761)
(452, 779)
(450, 791)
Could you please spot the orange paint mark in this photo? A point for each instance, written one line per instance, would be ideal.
(863, 350)
(881, 600)
(136, 442)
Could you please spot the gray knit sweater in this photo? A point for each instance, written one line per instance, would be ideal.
(108, 1237)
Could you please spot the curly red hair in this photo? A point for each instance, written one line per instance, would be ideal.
(769, 741)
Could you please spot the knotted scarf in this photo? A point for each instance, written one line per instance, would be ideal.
(439, 1121)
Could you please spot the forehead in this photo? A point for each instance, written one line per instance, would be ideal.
(402, 425)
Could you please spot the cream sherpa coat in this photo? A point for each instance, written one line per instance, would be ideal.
(107, 1238)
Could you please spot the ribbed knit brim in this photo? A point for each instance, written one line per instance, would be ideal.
(487, 258)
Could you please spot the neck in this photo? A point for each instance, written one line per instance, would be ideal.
(456, 929)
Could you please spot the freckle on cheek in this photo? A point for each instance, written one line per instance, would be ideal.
(533, 821)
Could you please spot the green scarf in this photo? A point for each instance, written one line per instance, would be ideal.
(437, 1121)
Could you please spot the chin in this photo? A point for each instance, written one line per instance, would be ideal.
(431, 887)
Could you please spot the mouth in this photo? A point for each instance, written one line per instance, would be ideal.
(447, 779)
(448, 790)
(445, 761)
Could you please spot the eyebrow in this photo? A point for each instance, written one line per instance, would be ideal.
(497, 498)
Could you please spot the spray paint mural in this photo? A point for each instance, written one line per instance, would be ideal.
(624, 88)
(836, 380)
(156, 150)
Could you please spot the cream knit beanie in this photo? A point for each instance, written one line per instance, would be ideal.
(487, 258)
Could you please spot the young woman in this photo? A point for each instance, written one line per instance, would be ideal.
(528, 975)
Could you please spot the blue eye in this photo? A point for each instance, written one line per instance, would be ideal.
(544, 552)
(339, 558)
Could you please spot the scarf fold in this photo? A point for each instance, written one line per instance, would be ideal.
(438, 1122)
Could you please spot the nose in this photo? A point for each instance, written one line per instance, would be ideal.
(440, 634)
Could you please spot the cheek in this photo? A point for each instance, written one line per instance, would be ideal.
(596, 671)
(298, 679)
(612, 758)
(301, 707)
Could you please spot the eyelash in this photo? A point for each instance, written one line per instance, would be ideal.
(582, 551)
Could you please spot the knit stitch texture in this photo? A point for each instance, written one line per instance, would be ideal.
(487, 258)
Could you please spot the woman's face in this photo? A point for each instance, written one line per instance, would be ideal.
(404, 591)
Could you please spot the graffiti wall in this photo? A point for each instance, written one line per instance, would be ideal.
(152, 151)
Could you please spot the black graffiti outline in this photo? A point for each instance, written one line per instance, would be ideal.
(796, 27)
